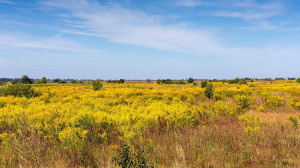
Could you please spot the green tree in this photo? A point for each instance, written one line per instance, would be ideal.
(121, 81)
(298, 80)
(97, 85)
(148, 80)
(190, 80)
(158, 81)
(209, 90)
(57, 80)
(26, 80)
(43, 80)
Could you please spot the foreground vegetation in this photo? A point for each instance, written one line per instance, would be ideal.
(217, 124)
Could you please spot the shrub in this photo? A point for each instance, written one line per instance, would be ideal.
(190, 80)
(57, 80)
(194, 83)
(158, 81)
(18, 90)
(26, 80)
(244, 101)
(97, 85)
(0, 83)
(298, 80)
(121, 81)
(209, 91)
(63, 81)
(43, 80)
(127, 159)
(203, 84)
(73, 81)
(148, 80)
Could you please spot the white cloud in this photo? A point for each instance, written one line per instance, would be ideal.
(243, 9)
(135, 28)
(138, 28)
(10, 41)
(7, 2)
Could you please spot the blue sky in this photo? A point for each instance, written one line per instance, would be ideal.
(134, 39)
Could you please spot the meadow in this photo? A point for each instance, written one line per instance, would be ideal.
(152, 125)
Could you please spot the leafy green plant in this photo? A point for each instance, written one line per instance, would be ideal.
(203, 84)
(209, 90)
(190, 80)
(244, 101)
(18, 90)
(128, 159)
(43, 80)
(26, 80)
(97, 85)
(294, 121)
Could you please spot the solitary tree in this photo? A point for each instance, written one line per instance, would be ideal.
(209, 90)
(43, 80)
(97, 85)
(190, 80)
(26, 80)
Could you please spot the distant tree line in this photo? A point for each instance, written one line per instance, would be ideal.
(116, 81)
(26, 80)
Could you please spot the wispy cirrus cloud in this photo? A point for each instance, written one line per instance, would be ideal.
(7, 2)
(23, 41)
(134, 28)
(120, 25)
(243, 9)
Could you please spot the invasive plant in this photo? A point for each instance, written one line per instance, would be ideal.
(97, 85)
(244, 101)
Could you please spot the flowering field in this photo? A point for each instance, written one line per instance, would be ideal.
(254, 125)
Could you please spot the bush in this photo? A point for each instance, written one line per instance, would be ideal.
(190, 80)
(121, 81)
(97, 85)
(26, 80)
(209, 91)
(57, 80)
(0, 83)
(63, 81)
(158, 81)
(203, 84)
(43, 80)
(244, 101)
(298, 80)
(18, 90)
(127, 159)
(73, 81)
